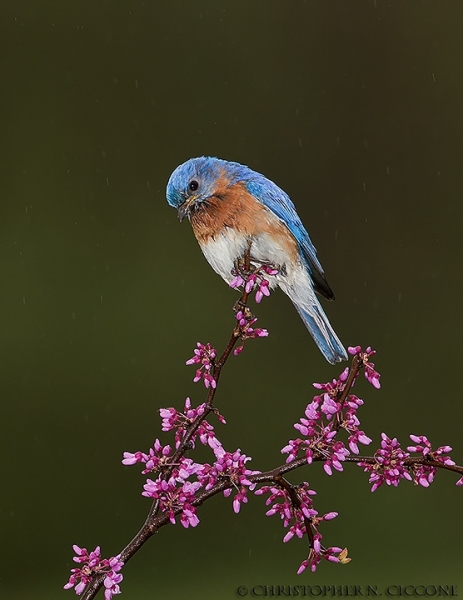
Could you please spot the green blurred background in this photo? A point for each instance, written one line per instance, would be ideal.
(354, 108)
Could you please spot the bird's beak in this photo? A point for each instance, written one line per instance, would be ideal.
(184, 208)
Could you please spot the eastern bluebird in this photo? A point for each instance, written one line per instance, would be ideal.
(232, 208)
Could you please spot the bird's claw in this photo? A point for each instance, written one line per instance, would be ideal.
(241, 306)
(247, 265)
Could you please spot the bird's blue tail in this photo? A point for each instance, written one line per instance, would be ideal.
(320, 329)
(311, 312)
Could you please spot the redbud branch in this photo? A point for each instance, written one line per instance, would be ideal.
(296, 502)
(153, 521)
(410, 462)
(357, 364)
(218, 365)
(276, 476)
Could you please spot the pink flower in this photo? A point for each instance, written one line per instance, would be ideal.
(236, 282)
(370, 373)
(424, 474)
(298, 514)
(325, 417)
(389, 466)
(204, 355)
(181, 421)
(113, 578)
(93, 565)
(229, 466)
(250, 283)
(255, 280)
(358, 437)
(156, 459)
(174, 499)
(246, 330)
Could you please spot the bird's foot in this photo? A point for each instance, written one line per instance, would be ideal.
(241, 307)
(248, 266)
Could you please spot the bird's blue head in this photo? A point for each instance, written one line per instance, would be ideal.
(196, 179)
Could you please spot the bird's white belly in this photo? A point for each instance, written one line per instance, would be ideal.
(222, 250)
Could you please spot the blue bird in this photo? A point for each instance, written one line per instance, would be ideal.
(231, 208)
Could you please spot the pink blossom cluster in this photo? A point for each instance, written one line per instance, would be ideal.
(230, 467)
(389, 466)
(329, 431)
(179, 478)
(246, 322)
(256, 280)
(93, 564)
(204, 355)
(392, 464)
(177, 494)
(159, 459)
(326, 416)
(175, 497)
(364, 355)
(299, 516)
(182, 421)
(155, 460)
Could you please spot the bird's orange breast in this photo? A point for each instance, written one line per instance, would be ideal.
(235, 208)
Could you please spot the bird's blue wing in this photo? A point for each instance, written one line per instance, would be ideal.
(275, 199)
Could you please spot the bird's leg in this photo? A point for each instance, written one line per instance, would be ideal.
(246, 264)
(237, 266)
(240, 306)
(259, 267)
(242, 264)
(243, 270)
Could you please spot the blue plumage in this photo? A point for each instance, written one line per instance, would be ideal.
(222, 201)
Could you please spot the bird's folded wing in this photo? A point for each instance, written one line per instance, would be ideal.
(275, 199)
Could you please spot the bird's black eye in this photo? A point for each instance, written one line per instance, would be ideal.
(193, 185)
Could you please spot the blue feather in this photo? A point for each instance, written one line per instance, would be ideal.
(206, 171)
(274, 198)
(320, 329)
